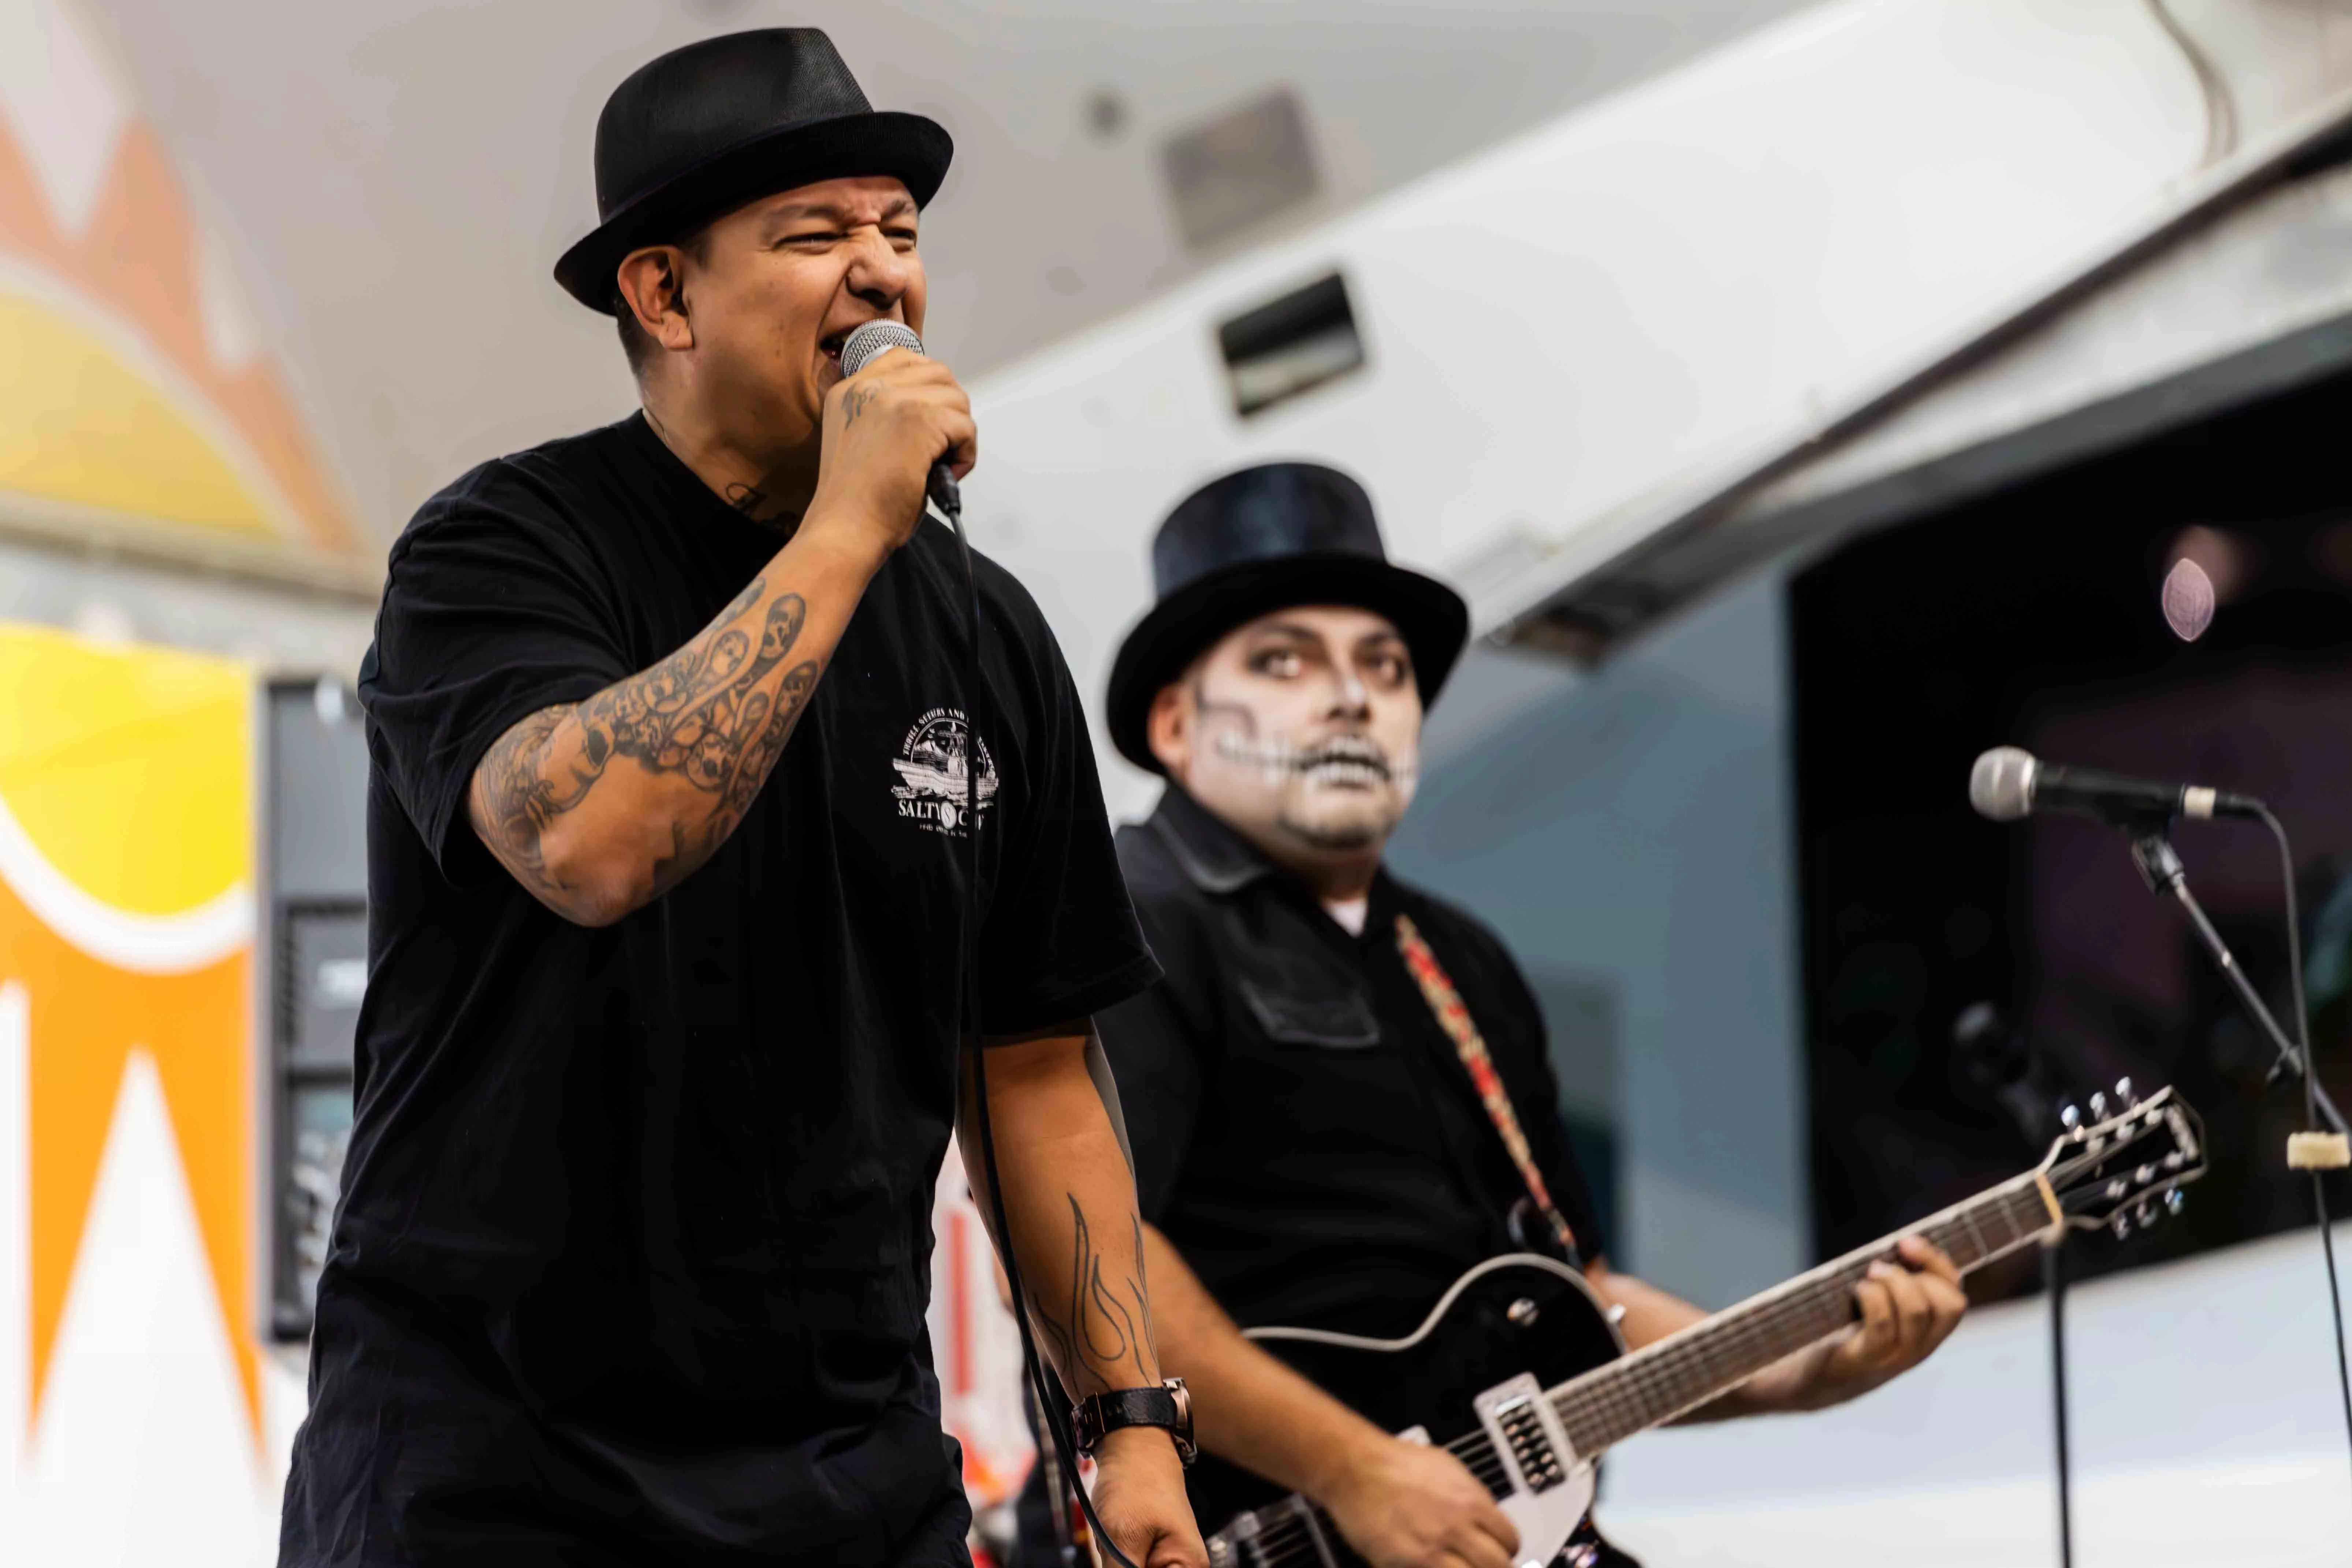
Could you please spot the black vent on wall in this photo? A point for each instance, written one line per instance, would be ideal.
(1291, 345)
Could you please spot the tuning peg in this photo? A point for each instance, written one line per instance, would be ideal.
(2098, 1106)
(2070, 1116)
(2175, 1201)
(2147, 1212)
(2124, 1092)
(2123, 1225)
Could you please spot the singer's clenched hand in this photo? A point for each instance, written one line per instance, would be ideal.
(1138, 1494)
(884, 429)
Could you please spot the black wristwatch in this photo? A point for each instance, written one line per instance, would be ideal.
(1169, 1405)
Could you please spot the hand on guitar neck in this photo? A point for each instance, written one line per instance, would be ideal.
(1907, 1312)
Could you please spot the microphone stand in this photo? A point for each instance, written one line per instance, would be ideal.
(2006, 1070)
(2160, 869)
(2054, 1285)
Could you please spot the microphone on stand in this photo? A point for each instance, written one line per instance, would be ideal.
(2008, 784)
(867, 344)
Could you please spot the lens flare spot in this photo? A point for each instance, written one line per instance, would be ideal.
(2188, 600)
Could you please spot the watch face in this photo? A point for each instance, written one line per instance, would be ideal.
(1182, 1431)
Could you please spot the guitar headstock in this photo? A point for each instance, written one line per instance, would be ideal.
(2127, 1168)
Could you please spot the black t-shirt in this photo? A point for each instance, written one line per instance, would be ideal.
(1312, 1143)
(633, 1255)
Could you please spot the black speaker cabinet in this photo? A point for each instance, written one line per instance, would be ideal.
(314, 874)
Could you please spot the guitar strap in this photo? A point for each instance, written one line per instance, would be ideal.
(1454, 1017)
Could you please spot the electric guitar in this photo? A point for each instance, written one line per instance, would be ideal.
(1519, 1369)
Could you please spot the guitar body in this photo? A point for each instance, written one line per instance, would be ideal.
(1520, 1350)
(1519, 1320)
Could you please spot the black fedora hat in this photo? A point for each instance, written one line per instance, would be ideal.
(1260, 539)
(695, 135)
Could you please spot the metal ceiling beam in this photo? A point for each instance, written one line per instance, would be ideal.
(2034, 358)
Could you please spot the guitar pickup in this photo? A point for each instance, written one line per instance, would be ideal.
(1525, 1431)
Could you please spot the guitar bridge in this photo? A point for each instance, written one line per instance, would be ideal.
(1526, 1434)
(1523, 1434)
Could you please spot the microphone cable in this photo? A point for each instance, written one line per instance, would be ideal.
(1054, 1414)
(2310, 1121)
(861, 347)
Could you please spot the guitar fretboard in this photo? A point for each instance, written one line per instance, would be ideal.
(1686, 1369)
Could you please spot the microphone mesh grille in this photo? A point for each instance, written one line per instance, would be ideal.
(2000, 786)
(859, 348)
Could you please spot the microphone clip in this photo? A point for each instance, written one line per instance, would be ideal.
(2152, 852)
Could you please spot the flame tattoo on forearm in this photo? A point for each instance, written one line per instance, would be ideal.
(1102, 1340)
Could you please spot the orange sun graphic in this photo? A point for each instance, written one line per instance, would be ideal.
(128, 385)
(129, 390)
(126, 920)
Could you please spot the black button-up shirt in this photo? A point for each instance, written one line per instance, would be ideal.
(1304, 1130)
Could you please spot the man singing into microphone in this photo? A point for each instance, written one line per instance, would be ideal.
(1314, 1144)
(659, 1055)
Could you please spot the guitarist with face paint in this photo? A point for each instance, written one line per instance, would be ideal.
(1339, 1098)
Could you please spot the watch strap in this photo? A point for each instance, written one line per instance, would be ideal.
(1167, 1407)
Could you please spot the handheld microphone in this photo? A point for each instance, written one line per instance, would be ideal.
(2008, 784)
(862, 348)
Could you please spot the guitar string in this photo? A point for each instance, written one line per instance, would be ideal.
(1281, 1540)
(1285, 1540)
(1293, 1529)
(1639, 1384)
(2020, 1210)
(1672, 1373)
(1474, 1448)
(1694, 1376)
(1640, 1394)
(1278, 1539)
(1672, 1377)
(1825, 1301)
(1279, 1543)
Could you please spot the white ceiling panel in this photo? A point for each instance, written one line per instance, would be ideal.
(391, 182)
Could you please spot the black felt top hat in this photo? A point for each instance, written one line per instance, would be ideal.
(695, 135)
(1260, 539)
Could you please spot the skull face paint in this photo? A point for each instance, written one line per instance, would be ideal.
(1301, 731)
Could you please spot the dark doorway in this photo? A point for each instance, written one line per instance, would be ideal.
(2034, 617)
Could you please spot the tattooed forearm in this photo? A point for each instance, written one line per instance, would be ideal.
(1101, 1337)
(697, 711)
(514, 792)
(714, 716)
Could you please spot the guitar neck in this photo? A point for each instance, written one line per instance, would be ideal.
(1689, 1368)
